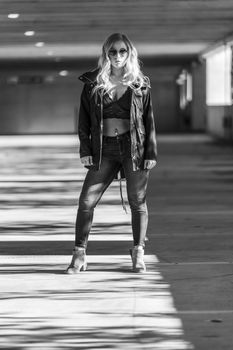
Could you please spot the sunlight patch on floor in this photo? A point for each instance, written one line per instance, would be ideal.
(107, 306)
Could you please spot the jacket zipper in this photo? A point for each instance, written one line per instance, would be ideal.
(131, 127)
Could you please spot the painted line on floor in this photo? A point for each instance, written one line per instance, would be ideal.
(198, 263)
(72, 139)
(53, 259)
(66, 237)
(12, 141)
(197, 312)
(50, 259)
(53, 214)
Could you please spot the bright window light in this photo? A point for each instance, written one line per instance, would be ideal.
(218, 77)
(189, 90)
(39, 44)
(63, 73)
(13, 15)
(29, 33)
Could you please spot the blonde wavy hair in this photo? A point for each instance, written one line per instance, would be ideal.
(132, 74)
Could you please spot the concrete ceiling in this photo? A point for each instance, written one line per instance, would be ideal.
(72, 29)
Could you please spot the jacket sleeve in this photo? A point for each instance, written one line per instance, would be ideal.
(84, 123)
(148, 117)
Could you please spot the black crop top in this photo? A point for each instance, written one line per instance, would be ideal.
(117, 109)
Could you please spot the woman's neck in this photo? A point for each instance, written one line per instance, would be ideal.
(117, 72)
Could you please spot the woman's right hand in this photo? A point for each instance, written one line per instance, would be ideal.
(87, 160)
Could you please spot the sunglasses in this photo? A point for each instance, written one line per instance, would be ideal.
(114, 52)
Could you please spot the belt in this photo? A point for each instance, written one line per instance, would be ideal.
(117, 137)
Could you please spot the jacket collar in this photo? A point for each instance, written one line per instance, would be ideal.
(90, 77)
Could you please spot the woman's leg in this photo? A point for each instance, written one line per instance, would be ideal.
(95, 184)
(136, 182)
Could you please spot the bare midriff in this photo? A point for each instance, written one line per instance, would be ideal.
(113, 124)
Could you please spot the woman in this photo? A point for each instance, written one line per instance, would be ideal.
(116, 132)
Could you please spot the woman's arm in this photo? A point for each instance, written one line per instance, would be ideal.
(148, 118)
(84, 123)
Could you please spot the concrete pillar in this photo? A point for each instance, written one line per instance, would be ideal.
(198, 106)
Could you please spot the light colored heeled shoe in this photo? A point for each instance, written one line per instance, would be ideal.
(78, 262)
(137, 254)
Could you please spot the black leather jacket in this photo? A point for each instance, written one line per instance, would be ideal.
(90, 126)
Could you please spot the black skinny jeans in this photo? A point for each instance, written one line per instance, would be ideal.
(116, 153)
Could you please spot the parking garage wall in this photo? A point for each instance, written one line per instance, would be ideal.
(41, 101)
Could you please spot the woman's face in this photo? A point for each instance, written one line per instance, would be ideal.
(118, 54)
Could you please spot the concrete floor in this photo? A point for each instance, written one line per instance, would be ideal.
(184, 301)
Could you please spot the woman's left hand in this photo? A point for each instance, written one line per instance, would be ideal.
(149, 164)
